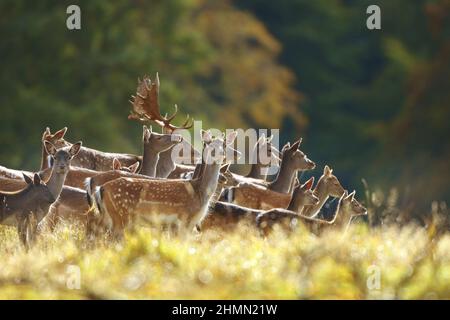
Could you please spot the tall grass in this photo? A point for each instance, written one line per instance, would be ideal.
(410, 262)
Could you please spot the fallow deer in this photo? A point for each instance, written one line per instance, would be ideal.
(225, 215)
(154, 144)
(6, 173)
(146, 108)
(276, 194)
(71, 204)
(76, 177)
(26, 208)
(87, 158)
(347, 208)
(328, 185)
(57, 139)
(263, 149)
(162, 201)
(101, 178)
(71, 207)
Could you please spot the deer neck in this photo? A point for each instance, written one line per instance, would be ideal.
(342, 217)
(282, 183)
(149, 162)
(256, 168)
(56, 182)
(255, 172)
(165, 164)
(208, 181)
(321, 192)
(44, 160)
(297, 203)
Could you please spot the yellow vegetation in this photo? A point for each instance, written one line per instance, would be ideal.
(151, 264)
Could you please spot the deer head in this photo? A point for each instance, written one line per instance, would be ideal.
(119, 167)
(303, 196)
(333, 186)
(157, 142)
(57, 139)
(350, 206)
(266, 153)
(296, 158)
(61, 157)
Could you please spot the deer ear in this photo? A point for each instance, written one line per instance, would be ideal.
(27, 179)
(308, 184)
(286, 147)
(60, 134)
(206, 136)
(134, 168)
(296, 145)
(116, 164)
(224, 168)
(222, 179)
(49, 148)
(146, 134)
(351, 196)
(46, 133)
(262, 138)
(327, 171)
(345, 194)
(36, 179)
(75, 148)
(231, 137)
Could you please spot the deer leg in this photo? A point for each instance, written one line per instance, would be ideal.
(21, 231)
(24, 231)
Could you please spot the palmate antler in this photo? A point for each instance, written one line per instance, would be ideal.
(146, 106)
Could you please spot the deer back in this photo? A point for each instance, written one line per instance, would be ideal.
(257, 197)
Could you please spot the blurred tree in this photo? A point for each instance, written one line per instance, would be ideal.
(377, 101)
(216, 62)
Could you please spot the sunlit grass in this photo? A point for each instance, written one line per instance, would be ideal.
(237, 265)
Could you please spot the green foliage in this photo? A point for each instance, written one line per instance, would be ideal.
(377, 101)
(55, 77)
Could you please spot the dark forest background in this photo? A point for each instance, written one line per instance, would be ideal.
(372, 104)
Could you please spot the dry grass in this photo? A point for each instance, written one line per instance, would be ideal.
(413, 264)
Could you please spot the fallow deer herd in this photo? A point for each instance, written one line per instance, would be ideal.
(110, 192)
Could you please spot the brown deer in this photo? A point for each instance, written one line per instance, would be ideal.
(259, 166)
(328, 185)
(166, 165)
(37, 197)
(347, 208)
(57, 139)
(76, 177)
(25, 208)
(71, 207)
(6, 173)
(225, 215)
(87, 158)
(154, 144)
(72, 204)
(162, 201)
(146, 108)
(276, 195)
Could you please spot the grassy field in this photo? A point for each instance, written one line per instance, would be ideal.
(363, 263)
